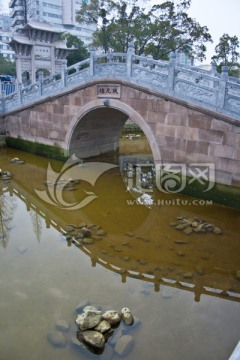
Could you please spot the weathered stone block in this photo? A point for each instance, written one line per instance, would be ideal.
(213, 136)
(223, 177)
(187, 158)
(187, 133)
(228, 165)
(223, 151)
(57, 109)
(176, 119)
(237, 154)
(77, 101)
(167, 155)
(175, 143)
(221, 125)
(156, 117)
(199, 121)
(200, 147)
(132, 93)
(167, 130)
(229, 138)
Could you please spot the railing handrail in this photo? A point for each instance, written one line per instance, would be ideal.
(205, 88)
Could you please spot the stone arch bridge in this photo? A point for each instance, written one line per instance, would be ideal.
(189, 115)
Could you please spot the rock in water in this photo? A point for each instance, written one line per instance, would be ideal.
(112, 316)
(103, 326)
(88, 320)
(127, 316)
(57, 339)
(92, 309)
(124, 345)
(79, 308)
(93, 338)
(62, 325)
(217, 230)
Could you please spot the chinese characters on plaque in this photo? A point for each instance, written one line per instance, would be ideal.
(111, 91)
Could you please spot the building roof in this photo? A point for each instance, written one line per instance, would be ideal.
(37, 25)
(21, 39)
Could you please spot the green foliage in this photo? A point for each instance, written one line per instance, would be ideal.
(226, 53)
(80, 53)
(155, 30)
(7, 67)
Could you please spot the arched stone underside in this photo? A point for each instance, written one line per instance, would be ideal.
(96, 129)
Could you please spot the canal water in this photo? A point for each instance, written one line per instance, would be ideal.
(184, 290)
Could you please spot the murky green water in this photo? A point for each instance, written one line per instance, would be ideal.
(140, 263)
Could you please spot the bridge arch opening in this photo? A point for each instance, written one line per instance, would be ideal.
(97, 128)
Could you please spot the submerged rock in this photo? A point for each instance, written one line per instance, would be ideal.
(217, 230)
(79, 308)
(88, 320)
(93, 338)
(103, 326)
(194, 225)
(57, 339)
(112, 316)
(97, 327)
(124, 345)
(62, 325)
(127, 316)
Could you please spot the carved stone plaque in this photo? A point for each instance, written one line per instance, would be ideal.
(109, 91)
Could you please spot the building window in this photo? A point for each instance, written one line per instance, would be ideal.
(52, 15)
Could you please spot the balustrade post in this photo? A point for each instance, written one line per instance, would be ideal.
(130, 54)
(213, 67)
(20, 97)
(171, 71)
(64, 73)
(40, 82)
(222, 87)
(2, 101)
(92, 58)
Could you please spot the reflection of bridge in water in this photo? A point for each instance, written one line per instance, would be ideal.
(106, 254)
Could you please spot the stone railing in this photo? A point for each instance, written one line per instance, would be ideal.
(208, 89)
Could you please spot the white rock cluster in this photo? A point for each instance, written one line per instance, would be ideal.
(95, 327)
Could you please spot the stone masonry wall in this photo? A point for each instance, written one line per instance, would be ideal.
(183, 132)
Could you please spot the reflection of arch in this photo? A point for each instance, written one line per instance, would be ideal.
(155, 270)
(121, 108)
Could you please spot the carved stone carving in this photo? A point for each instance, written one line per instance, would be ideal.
(194, 91)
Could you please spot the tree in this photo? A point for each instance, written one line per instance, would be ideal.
(7, 67)
(155, 30)
(96, 12)
(176, 31)
(80, 53)
(226, 53)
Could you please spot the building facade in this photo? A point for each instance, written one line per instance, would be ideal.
(37, 40)
(5, 37)
(59, 13)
